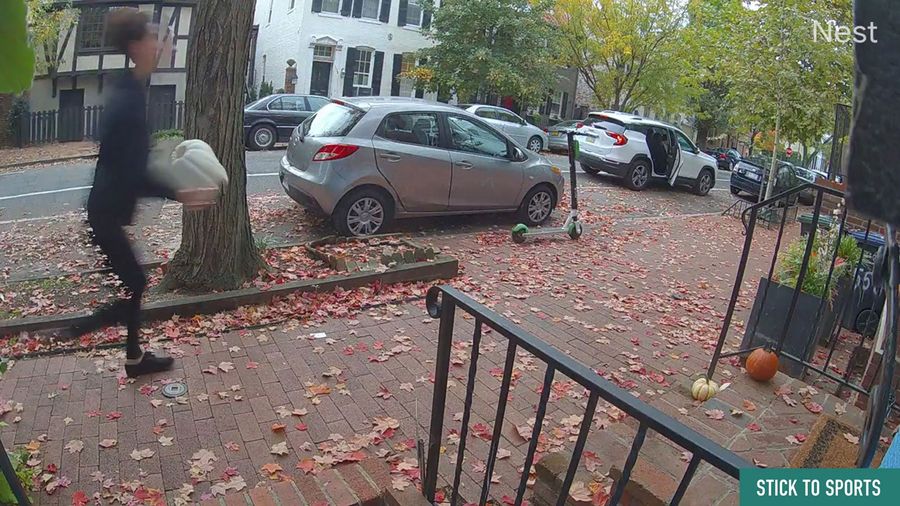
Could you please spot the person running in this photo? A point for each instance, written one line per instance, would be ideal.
(120, 178)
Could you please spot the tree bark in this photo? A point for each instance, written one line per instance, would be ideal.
(217, 249)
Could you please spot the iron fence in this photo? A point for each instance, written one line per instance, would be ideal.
(84, 123)
(442, 302)
(822, 335)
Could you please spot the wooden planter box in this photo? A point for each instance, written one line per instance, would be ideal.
(766, 323)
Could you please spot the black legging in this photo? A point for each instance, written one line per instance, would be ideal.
(113, 242)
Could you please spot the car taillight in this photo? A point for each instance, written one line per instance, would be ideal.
(545, 130)
(619, 138)
(579, 125)
(721, 157)
(334, 152)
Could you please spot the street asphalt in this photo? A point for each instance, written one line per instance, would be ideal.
(40, 192)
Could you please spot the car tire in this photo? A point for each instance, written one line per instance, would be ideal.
(590, 170)
(704, 182)
(535, 144)
(363, 212)
(637, 177)
(537, 206)
(262, 137)
(735, 190)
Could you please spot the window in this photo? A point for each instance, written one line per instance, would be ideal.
(370, 9)
(412, 128)
(316, 103)
(332, 6)
(333, 120)
(323, 52)
(275, 105)
(683, 141)
(290, 103)
(413, 13)
(91, 24)
(508, 117)
(363, 71)
(486, 112)
(475, 138)
(408, 63)
(556, 104)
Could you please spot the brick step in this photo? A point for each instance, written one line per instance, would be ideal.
(367, 483)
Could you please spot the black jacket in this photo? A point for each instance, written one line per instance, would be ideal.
(121, 174)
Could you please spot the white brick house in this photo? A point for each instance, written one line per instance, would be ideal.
(341, 47)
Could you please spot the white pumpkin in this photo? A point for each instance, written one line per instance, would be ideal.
(704, 389)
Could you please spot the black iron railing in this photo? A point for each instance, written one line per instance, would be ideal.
(442, 302)
(842, 376)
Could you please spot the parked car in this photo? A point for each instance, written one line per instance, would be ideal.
(366, 160)
(271, 119)
(726, 159)
(510, 123)
(558, 139)
(619, 146)
(750, 176)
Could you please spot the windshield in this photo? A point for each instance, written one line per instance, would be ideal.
(333, 120)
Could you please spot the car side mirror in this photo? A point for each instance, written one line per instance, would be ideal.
(518, 155)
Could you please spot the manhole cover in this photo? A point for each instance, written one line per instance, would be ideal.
(173, 390)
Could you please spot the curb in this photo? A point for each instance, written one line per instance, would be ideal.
(44, 162)
(441, 268)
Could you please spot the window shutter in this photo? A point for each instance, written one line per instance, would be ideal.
(385, 13)
(401, 16)
(349, 71)
(357, 8)
(426, 19)
(549, 106)
(376, 73)
(563, 107)
(395, 80)
(317, 6)
(346, 7)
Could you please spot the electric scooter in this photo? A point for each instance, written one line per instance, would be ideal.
(572, 227)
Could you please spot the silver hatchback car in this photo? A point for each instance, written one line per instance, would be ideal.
(364, 161)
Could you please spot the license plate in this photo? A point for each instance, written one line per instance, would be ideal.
(554, 134)
(755, 177)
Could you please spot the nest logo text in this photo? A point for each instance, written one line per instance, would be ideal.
(831, 31)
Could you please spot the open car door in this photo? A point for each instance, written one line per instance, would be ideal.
(678, 159)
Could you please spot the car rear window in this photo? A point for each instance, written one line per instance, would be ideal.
(606, 123)
(333, 120)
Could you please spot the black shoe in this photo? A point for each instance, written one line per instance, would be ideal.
(149, 364)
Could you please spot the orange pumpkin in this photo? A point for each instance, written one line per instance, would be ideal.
(762, 364)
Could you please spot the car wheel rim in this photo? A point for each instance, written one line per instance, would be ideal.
(535, 145)
(639, 176)
(539, 206)
(704, 183)
(263, 137)
(365, 216)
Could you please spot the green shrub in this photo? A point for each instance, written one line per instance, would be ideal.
(824, 244)
(168, 134)
(265, 89)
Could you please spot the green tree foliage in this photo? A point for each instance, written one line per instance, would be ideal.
(51, 25)
(780, 70)
(629, 53)
(489, 47)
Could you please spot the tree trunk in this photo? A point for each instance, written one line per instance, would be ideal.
(217, 249)
(702, 133)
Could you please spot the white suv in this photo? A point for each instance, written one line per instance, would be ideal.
(617, 144)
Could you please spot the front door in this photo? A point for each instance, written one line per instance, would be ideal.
(321, 78)
(484, 175)
(409, 154)
(676, 157)
(161, 107)
(71, 115)
(691, 161)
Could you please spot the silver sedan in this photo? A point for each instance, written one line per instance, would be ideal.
(364, 161)
(557, 133)
(509, 122)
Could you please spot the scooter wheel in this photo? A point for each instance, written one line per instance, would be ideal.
(518, 233)
(575, 231)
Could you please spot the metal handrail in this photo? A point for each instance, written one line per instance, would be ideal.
(785, 194)
(441, 302)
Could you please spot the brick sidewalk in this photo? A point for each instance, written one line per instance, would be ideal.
(639, 301)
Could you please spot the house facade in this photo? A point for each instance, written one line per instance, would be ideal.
(339, 47)
(85, 64)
